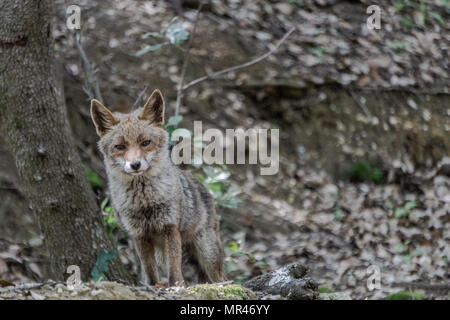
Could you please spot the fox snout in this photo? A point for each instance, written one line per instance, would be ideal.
(135, 165)
(136, 161)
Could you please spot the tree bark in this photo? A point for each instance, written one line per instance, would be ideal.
(34, 123)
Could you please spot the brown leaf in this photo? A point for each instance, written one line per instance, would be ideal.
(4, 283)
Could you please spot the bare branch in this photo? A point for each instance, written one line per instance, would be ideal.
(240, 66)
(186, 61)
(141, 94)
(359, 103)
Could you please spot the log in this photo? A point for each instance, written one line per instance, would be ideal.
(291, 281)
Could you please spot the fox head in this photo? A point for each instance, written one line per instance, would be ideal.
(132, 144)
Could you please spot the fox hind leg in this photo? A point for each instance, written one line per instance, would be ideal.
(207, 249)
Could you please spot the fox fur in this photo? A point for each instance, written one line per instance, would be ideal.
(166, 211)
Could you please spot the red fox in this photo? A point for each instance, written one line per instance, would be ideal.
(165, 210)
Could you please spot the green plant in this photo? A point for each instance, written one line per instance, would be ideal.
(405, 295)
(234, 253)
(214, 179)
(404, 211)
(101, 265)
(339, 214)
(364, 172)
(325, 290)
(297, 3)
(317, 51)
(93, 178)
(422, 13)
(109, 221)
(174, 33)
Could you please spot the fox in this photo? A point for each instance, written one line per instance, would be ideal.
(166, 211)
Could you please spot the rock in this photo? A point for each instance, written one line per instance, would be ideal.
(335, 296)
(285, 8)
(216, 292)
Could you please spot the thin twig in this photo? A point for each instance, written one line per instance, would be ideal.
(91, 86)
(360, 104)
(24, 286)
(223, 283)
(240, 66)
(186, 61)
(148, 287)
(141, 94)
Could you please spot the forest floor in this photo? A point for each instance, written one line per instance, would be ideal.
(394, 215)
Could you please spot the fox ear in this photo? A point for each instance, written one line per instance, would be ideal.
(103, 119)
(154, 109)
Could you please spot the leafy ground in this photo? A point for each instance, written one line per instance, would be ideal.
(393, 213)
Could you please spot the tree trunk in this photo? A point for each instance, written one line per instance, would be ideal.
(34, 124)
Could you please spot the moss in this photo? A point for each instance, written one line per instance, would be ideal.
(227, 292)
(325, 290)
(403, 295)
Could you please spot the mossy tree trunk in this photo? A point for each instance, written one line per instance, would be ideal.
(34, 124)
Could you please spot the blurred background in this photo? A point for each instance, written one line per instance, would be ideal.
(364, 119)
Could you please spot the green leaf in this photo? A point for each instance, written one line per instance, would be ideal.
(317, 51)
(399, 5)
(400, 213)
(325, 290)
(104, 203)
(216, 174)
(93, 178)
(216, 188)
(176, 33)
(233, 246)
(404, 211)
(410, 205)
(229, 199)
(400, 248)
(101, 265)
(174, 121)
(339, 214)
(437, 17)
(232, 203)
(404, 295)
(364, 172)
(150, 48)
(423, 13)
(199, 176)
(407, 22)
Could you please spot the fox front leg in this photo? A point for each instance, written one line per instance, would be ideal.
(173, 251)
(146, 251)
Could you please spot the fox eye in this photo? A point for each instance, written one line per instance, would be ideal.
(145, 143)
(120, 147)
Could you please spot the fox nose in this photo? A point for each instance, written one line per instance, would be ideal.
(135, 165)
